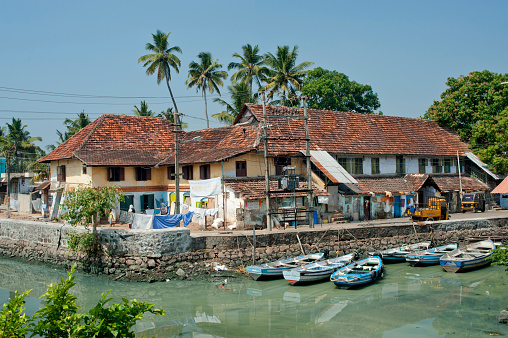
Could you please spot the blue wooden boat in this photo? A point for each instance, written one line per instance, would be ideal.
(470, 257)
(318, 271)
(429, 256)
(363, 272)
(398, 254)
(273, 270)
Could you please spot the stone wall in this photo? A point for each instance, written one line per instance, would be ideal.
(167, 254)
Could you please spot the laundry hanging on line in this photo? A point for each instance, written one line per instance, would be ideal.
(170, 221)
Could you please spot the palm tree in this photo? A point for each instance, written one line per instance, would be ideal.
(206, 76)
(143, 110)
(18, 145)
(73, 127)
(239, 93)
(170, 116)
(250, 67)
(284, 73)
(162, 60)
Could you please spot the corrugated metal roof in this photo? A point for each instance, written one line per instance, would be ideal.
(330, 167)
(482, 165)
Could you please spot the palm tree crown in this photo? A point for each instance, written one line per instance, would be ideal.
(143, 110)
(206, 75)
(162, 60)
(18, 145)
(285, 74)
(239, 93)
(249, 67)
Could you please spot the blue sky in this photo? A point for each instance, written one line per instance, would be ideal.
(404, 49)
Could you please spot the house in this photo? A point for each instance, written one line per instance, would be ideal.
(502, 191)
(365, 166)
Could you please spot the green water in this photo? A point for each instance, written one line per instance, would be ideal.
(407, 302)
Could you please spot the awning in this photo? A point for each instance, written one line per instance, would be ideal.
(482, 165)
(330, 167)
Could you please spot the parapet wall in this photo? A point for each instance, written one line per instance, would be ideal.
(176, 253)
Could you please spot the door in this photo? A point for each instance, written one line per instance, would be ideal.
(147, 201)
(396, 207)
(128, 201)
(366, 208)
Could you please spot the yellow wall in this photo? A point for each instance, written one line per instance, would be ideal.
(73, 172)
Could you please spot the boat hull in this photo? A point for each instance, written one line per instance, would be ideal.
(471, 257)
(307, 277)
(358, 274)
(466, 265)
(274, 270)
(430, 256)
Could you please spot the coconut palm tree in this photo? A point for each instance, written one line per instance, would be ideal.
(143, 110)
(17, 144)
(74, 126)
(239, 93)
(206, 75)
(285, 74)
(250, 67)
(162, 60)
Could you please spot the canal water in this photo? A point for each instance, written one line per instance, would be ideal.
(406, 302)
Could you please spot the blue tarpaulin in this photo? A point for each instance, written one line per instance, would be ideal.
(170, 221)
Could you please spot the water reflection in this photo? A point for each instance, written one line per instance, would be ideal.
(406, 302)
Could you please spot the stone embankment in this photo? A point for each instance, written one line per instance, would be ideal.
(151, 255)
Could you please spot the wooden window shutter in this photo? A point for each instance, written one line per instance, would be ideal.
(202, 172)
(110, 174)
(148, 174)
(138, 174)
(122, 174)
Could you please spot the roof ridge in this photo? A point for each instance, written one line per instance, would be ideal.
(98, 122)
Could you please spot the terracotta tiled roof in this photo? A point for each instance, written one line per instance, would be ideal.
(502, 188)
(43, 186)
(121, 140)
(416, 181)
(254, 188)
(452, 183)
(355, 133)
(381, 185)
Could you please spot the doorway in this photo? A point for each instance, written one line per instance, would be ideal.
(366, 208)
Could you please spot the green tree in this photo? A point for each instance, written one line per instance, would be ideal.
(240, 95)
(14, 323)
(331, 90)
(18, 147)
(475, 106)
(206, 75)
(284, 74)
(162, 60)
(73, 127)
(142, 110)
(250, 67)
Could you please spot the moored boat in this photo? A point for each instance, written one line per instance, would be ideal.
(363, 272)
(273, 270)
(398, 254)
(430, 256)
(472, 256)
(317, 271)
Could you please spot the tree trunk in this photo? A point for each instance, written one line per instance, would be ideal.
(206, 110)
(177, 121)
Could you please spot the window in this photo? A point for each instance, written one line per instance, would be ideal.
(143, 174)
(241, 168)
(187, 172)
(84, 169)
(357, 166)
(422, 164)
(60, 173)
(400, 164)
(204, 172)
(280, 162)
(345, 163)
(375, 165)
(116, 174)
(447, 165)
(436, 166)
(171, 172)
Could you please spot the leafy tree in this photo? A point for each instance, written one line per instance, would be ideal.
(500, 256)
(206, 75)
(85, 202)
(250, 67)
(162, 60)
(334, 91)
(168, 115)
(143, 110)
(73, 127)
(240, 95)
(284, 74)
(18, 147)
(59, 316)
(476, 108)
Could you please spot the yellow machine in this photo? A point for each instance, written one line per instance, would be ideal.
(436, 210)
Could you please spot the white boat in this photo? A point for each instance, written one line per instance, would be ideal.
(273, 270)
(359, 273)
(398, 254)
(318, 271)
(470, 257)
(429, 256)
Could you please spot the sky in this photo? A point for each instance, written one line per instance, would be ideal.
(59, 58)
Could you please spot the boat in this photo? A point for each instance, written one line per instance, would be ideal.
(359, 273)
(472, 256)
(318, 271)
(430, 256)
(273, 270)
(398, 254)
